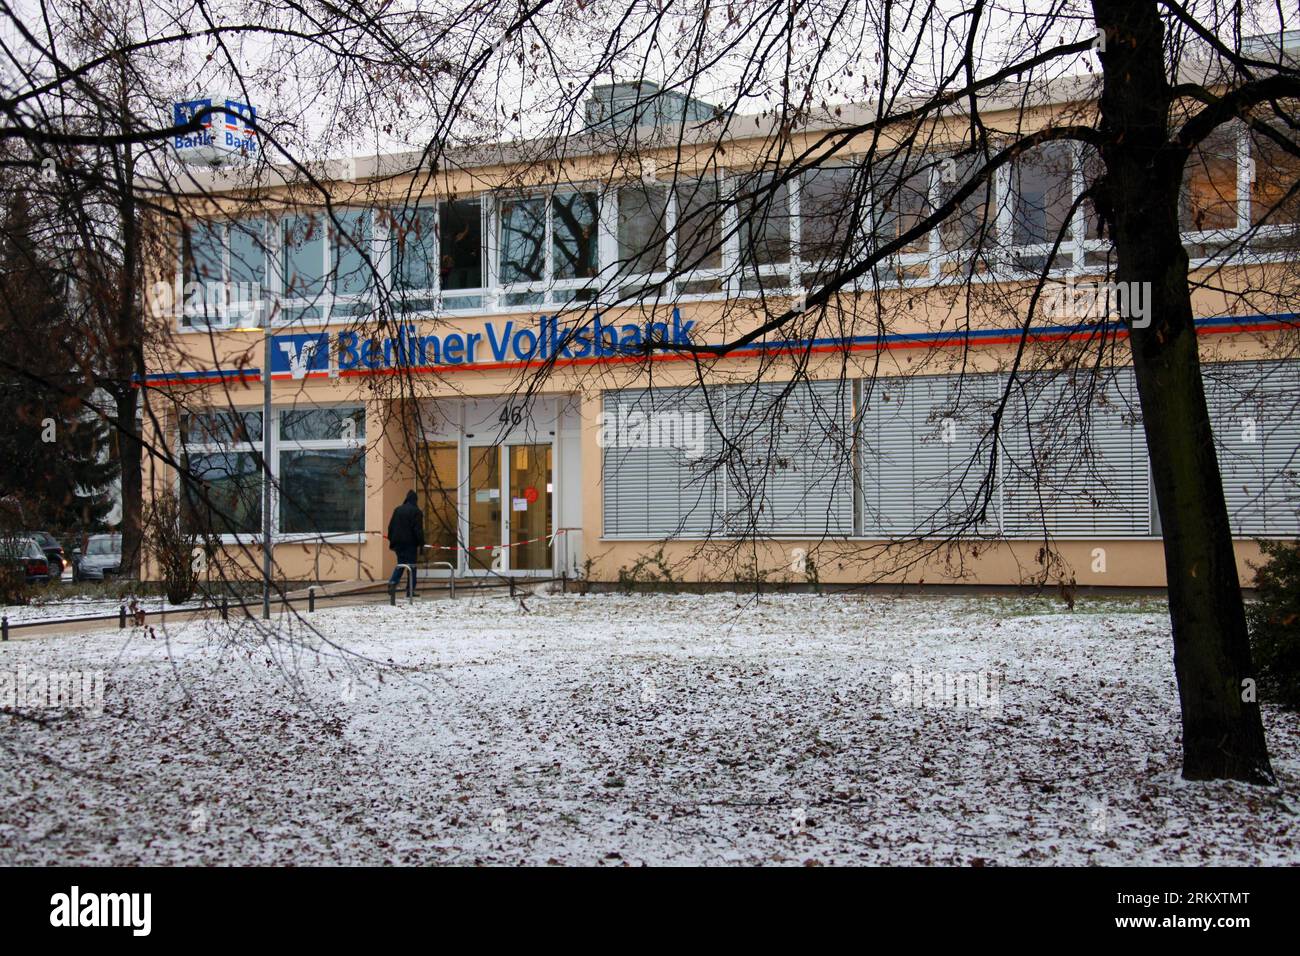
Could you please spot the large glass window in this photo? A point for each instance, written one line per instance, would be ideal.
(413, 237)
(643, 229)
(671, 228)
(321, 472)
(1209, 194)
(351, 266)
(223, 268)
(1274, 196)
(831, 218)
(223, 491)
(438, 494)
(698, 232)
(575, 252)
(438, 249)
(550, 243)
(901, 200)
(971, 225)
(303, 256)
(203, 267)
(322, 491)
(523, 240)
(1041, 195)
(764, 220)
(460, 235)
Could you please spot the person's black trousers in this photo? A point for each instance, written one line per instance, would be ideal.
(404, 556)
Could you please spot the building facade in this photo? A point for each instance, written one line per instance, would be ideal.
(524, 338)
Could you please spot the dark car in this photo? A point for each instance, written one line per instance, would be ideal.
(103, 558)
(53, 552)
(26, 554)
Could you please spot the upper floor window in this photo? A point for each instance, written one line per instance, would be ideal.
(550, 245)
(1042, 197)
(765, 223)
(437, 250)
(223, 269)
(670, 228)
(1208, 198)
(832, 218)
(1275, 172)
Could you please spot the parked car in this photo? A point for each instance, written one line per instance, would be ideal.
(53, 552)
(103, 558)
(26, 554)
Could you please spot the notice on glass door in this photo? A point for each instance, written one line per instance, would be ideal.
(519, 504)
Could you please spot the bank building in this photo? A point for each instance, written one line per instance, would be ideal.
(522, 335)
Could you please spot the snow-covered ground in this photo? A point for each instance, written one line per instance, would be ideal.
(626, 730)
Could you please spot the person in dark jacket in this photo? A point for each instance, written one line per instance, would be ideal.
(406, 537)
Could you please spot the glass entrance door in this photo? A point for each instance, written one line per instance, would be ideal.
(530, 518)
(485, 512)
(510, 500)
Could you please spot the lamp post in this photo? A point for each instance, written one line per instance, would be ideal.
(267, 542)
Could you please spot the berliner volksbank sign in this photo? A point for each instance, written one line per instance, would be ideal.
(497, 343)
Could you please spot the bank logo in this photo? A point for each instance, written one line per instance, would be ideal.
(73, 909)
(300, 354)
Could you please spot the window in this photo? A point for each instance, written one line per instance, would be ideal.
(574, 229)
(900, 200)
(223, 266)
(413, 237)
(248, 253)
(698, 231)
(673, 228)
(350, 245)
(438, 493)
(643, 229)
(203, 267)
(764, 209)
(321, 473)
(438, 250)
(1274, 197)
(549, 244)
(1041, 197)
(1208, 197)
(302, 257)
(969, 227)
(460, 235)
(320, 258)
(223, 494)
(831, 218)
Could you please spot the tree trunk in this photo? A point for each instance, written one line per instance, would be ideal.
(1223, 736)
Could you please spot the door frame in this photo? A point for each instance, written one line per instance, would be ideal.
(502, 450)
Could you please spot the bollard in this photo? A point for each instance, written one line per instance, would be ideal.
(225, 608)
(311, 598)
(121, 617)
(564, 582)
(392, 596)
(4, 628)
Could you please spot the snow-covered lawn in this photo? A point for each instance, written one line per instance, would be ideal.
(627, 730)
